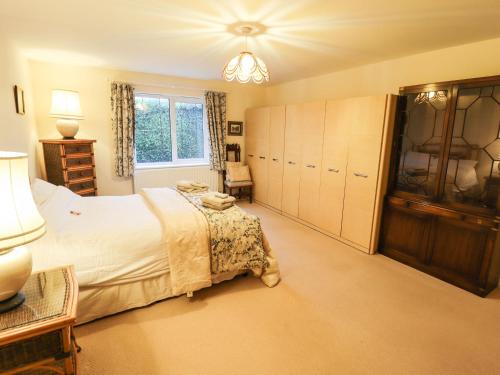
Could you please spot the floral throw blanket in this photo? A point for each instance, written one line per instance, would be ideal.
(236, 238)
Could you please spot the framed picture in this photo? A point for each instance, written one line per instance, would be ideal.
(235, 127)
(19, 99)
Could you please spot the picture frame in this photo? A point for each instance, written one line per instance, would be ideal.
(19, 100)
(235, 128)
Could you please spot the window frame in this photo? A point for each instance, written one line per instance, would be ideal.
(176, 162)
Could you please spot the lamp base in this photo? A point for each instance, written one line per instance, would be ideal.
(67, 127)
(12, 302)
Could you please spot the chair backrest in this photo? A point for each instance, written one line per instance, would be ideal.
(233, 152)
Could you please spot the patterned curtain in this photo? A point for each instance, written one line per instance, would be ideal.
(123, 121)
(216, 114)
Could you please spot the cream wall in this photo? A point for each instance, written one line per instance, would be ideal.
(93, 84)
(17, 132)
(465, 61)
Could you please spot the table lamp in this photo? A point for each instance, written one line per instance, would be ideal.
(20, 223)
(66, 108)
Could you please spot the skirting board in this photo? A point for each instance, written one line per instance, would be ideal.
(309, 225)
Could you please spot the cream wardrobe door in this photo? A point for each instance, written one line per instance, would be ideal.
(313, 123)
(334, 164)
(275, 160)
(292, 160)
(365, 146)
(251, 134)
(260, 173)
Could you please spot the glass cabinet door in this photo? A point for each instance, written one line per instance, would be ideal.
(422, 117)
(472, 173)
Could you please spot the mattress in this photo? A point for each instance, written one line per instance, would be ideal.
(110, 239)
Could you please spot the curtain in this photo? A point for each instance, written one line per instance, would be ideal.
(123, 122)
(216, 115)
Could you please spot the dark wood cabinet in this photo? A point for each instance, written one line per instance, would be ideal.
(441, 211)
(70, 163)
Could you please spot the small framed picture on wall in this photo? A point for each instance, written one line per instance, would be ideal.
(19, 99)
(235, 128)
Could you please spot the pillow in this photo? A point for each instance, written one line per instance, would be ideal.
(238, 173)
(42, 190)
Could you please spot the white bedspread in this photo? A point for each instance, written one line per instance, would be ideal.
(110, 239)
(187, 237)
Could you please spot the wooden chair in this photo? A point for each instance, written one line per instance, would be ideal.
(233, 152)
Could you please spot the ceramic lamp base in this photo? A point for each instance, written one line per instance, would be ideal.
(68, 128)
(12, 303)
(15, 269)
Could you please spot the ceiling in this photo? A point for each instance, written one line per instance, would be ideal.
(192, 38)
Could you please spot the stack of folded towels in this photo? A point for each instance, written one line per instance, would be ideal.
(191, 186)
(217, 201)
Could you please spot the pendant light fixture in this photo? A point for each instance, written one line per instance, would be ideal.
(246, 66)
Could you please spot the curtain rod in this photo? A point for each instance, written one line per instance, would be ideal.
(164, 85)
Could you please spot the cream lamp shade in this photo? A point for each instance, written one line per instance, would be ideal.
(20, 221)
(66, 104)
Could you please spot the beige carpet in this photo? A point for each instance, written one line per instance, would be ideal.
(336, 310)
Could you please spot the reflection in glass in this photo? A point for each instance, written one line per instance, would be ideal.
(420, 141)
(472, 175)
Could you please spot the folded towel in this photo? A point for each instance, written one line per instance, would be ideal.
(217, 207)
(221, 195)
(187, 186)
(214, 200)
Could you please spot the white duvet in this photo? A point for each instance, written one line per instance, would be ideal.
(109, 239)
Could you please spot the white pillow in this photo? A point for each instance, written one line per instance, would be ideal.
(42, 190)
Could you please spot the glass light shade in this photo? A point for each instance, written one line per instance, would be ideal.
(20, 221)
(66, 104)
(246, 67)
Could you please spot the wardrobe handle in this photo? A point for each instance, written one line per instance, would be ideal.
(310, 166)
(357, 174)
(262, 157)
(274, 159)
(291, 162)
(333, 170)
(251, 155)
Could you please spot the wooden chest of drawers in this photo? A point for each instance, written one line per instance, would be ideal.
(70, 162)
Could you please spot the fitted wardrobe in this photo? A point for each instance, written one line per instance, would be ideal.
(323, 163)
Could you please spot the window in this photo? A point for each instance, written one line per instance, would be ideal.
(170, 131)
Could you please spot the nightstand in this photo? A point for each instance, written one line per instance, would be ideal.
(71, 163)
(38, 335)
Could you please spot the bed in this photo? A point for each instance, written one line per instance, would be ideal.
(130, 251)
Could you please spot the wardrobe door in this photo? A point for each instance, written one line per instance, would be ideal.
(292, 159)
(313, 123)
(251, 134)
(334, 164)
(260, 173)
(365, 145)
(275, 160)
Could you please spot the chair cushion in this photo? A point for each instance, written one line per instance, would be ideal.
(236, 173)
(235, 184)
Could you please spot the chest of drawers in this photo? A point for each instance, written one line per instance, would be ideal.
(71, 163)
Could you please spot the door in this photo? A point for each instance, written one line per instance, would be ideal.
(334, 164)
(292, 159)
(313, 124)
(260, 170)
(275, 159)
(365, 144)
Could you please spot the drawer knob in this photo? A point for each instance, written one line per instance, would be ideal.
(357, 174)
(333, 170)
(262, 157)
(291, 162)
(274, 159)
(251, 155)
(310, 166)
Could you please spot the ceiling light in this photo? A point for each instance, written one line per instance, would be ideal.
(246, 66)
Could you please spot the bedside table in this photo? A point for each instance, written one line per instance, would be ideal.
(38, 335)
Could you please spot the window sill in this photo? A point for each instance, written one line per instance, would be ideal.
(167, 166)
